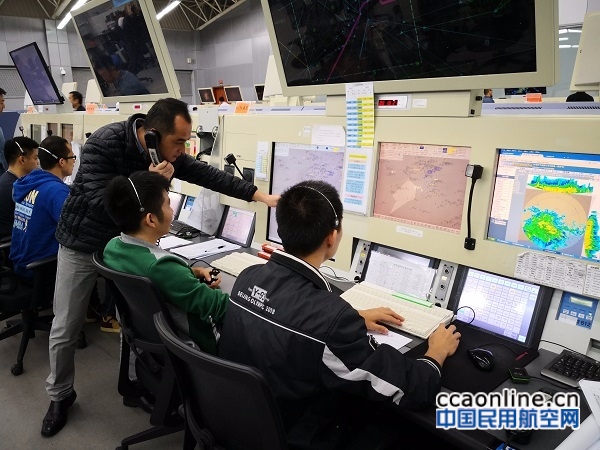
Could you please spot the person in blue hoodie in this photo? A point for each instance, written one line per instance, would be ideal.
(39, 197)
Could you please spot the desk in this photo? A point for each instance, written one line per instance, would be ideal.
(472, 439)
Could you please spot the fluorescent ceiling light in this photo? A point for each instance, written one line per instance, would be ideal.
(573, 31)
(63, 23)
(562, 31)
(170, 7)
(564, 46)
(563, 39)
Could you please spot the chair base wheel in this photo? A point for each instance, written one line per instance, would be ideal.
(17, 369)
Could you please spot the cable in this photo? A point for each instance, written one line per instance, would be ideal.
(563, 387)
(499, 343)
(470, 309)
(201, 260)
(563, 346)
(335, 276)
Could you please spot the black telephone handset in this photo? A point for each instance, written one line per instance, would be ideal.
(152, 140)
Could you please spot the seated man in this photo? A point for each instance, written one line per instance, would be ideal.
(22, 157)
(39, 198)
(76, 100)
(310, 344)
(140, 207)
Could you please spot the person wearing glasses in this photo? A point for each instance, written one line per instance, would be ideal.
(21, 155)
(39, 198)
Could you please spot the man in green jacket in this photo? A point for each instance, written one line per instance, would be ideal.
(140, 207)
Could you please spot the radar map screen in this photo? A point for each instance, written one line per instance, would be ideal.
(293, 163)
(547, 201)
(341, 41)
(422, 184)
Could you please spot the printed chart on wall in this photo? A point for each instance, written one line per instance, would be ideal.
(422, 185)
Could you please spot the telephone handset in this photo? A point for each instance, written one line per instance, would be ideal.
(152, 138)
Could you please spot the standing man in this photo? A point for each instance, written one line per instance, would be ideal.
(21, 153)
(3, 163)
(39, 198)
(76, 100)
(85, 227)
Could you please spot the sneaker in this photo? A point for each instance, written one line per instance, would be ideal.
(110, 324)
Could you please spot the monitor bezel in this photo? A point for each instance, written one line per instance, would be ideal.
(256, 86)
(239, 90)
(538, 319)
(160, 48)
(180, 204)
(224, 220)
(546, 74)
(212, 96)
(59, 98)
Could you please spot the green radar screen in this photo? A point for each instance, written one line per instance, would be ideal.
(557, 216)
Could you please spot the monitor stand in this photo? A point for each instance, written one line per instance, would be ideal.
(60, 109)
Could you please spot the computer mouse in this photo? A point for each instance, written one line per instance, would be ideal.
(481, 358)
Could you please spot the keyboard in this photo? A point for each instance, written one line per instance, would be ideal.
(419, 320)
(234, 263)
(569, 368)
(177, 227)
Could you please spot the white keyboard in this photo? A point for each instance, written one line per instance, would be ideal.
(234, 263)
(419, 320)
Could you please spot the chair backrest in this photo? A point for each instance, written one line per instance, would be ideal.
(232, 401)
(137, 301)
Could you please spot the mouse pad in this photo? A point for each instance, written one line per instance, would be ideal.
(460, 375)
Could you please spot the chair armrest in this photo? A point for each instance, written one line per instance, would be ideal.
(5, 244)
(40, 262)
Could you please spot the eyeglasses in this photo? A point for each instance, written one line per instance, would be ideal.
(73, 157)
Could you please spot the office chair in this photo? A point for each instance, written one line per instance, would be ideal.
(227, 405)
(27, 298)
(137, 300)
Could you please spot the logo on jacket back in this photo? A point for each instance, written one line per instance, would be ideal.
(259, 294)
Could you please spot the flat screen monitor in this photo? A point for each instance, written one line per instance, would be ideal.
(400, 271)
(237, 226)
(176, 200)
(293, 163)
(130, 62)
(260, 90)
(508, 308)
(206, 95)
(186, 209)
(422, 184)
(524, 90)
(410, 45)
(35, 75)
(547, 201)
(233, 94)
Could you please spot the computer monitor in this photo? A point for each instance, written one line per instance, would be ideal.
(35, 75)
(176, 200)
(186, 209)
(206, 95)
(422, 184)
(412, 45)
(586, 73)
(260, 90)
(130, 64)
(524, 90)
(293, 163)
(237, 226)
(399, 270)
(510, 309)
(233, 94)
(547, 201)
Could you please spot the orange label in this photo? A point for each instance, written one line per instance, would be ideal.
(242, 107)
(90, 108)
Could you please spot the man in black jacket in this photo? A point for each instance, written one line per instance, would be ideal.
(310, 344)
(85, 227)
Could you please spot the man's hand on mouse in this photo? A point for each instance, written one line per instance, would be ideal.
(204, 274)
(443, 342)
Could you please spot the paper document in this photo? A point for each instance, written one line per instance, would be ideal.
(395, 340)
(204, 249)
(586, 437)
(168, 242)
(591, 391)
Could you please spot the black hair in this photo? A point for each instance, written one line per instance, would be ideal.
(122, 203)
(58, 149)
(104, 62)
(2, 91)
(486, 91)
(77, 96)
(12, 150)
(306, 213)
(161, 117)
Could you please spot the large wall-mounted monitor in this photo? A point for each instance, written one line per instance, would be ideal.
(412, 45)
(36, 76)
(422, 184)
(293, 163)
(547, 201)
(130, 63)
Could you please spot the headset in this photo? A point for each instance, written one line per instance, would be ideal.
(152, 138)
(336, 222)
(23, 152)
